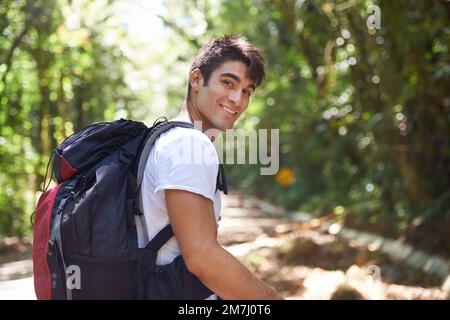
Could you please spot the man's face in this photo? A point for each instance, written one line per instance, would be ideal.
(225, 98)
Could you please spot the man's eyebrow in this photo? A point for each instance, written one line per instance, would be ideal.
(231, 75)
(235, 77)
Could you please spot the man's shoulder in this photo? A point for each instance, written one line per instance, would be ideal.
(186, 147)
(181, 135)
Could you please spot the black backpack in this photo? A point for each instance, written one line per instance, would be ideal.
(85, 240)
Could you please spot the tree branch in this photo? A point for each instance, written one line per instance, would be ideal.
(180, 31)
(9, 57)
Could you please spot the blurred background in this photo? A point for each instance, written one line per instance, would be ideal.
(356, 88)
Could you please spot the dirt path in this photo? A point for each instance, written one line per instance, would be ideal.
(302, 262)
(16, 281)
(299, 260)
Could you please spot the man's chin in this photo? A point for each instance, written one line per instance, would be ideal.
(224, 125)
(227, 126)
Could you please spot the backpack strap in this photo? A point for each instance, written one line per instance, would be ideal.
(221, 183)
(150, 141)
(160, 239)
(166, 233)
(55, 234)
(153, 134)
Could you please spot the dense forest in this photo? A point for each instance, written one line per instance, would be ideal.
(356, 88)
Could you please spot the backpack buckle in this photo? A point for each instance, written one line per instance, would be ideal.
(136, 210)
(50, 248)
(125, 156)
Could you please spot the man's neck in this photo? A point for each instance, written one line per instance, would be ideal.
(188, 114)
(184, 115)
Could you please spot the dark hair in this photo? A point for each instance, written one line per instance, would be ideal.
(228, 48)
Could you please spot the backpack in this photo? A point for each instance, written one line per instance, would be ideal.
(85, 238)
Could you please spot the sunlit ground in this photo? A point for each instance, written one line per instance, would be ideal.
(299, 260)
(302, 262)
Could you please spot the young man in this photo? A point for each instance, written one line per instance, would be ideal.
(178, 190)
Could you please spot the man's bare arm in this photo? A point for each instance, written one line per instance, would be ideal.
(192, 219)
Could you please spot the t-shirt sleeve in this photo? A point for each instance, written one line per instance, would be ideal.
(187, 163)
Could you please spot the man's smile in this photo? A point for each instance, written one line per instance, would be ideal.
(228, 110)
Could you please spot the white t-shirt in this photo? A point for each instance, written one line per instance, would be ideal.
(183, 159)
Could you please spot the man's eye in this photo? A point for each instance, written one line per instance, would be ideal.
(248, 93)
(227, 83)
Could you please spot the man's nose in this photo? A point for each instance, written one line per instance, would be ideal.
(236, 97)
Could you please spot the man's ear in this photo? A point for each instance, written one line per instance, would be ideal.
(196, 79)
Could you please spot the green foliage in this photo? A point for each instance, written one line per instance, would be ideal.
(363, 114)
(55, 78)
